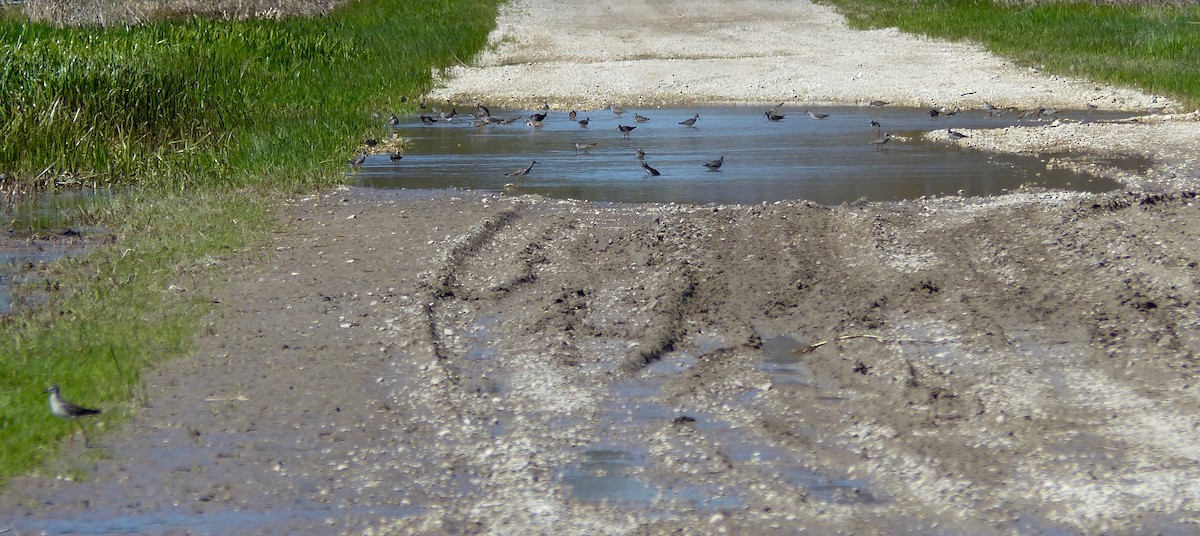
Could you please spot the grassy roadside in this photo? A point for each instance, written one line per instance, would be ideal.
(206, 124)
(1155, 48)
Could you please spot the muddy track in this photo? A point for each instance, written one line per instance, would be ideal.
(473, 363)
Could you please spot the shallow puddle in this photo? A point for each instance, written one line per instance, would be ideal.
(828, 161)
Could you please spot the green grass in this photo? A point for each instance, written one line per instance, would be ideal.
(200, 126)
(1153, 48)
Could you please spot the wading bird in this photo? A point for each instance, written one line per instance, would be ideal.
(66, 410)
(583, 123)
(649, 170)
(583, 147)
(638, 118)
(691, 122)
(772, 116)
(521, 172)
(880, 141)
(625, 130)
(955, 135)
(715, 165)
(816, 116)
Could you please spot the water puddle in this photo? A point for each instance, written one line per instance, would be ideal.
(39, 232)
(828, 161)
(608, 475)
(782, 363)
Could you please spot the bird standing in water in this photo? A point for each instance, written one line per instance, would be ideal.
(880, 141)
(816, 116)
(583, 147)
(66, 410)
(772, 116)
(638, 118)
(715, 165)
(691, 122)
(625, 130)
(583, 123)
(521, 172)
(649, 170)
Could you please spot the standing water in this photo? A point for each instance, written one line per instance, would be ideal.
(829, 161)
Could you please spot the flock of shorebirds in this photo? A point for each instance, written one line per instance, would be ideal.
(482, 117)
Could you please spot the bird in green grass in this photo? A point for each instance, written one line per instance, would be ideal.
(61, 408)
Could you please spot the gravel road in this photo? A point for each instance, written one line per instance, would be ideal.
(473, 362)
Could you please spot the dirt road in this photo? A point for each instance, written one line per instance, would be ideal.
(411, 362)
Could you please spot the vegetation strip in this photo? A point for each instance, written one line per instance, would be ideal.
(205, 124)
(1152, 47)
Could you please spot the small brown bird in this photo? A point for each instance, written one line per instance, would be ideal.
(955, 135)
(638, 118)
(625, 130)
(641, 154)
(571, 115)
(357, 160)
(583, 147)
(690, 122)
(772, 116)
(393, 120)
(537, 117)
(816, 116)
(715, 165)
(583, 123)
(649, 170)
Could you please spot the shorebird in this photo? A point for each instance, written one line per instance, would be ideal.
(428, 120)
(395, 156)
(875, 125)
(816, 116)
(950, 112)
(625, 130)
(521, 172)
(66, 410)
(571, 115)
(535, 123)
(510, 120)
(483, 109)
(449, 116)
(649, 170)
(641, 154)
(989, 106)
(615, 110)
(955, 135)
(638, 118)
(357, 160)
(878, 103)
(537, 117)
(691, 122)
(772, 116)
(370, 142)
(583, 147)
(715, 165)
(393, 120)
(934, 113)
(583, 123)
(878, 142)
